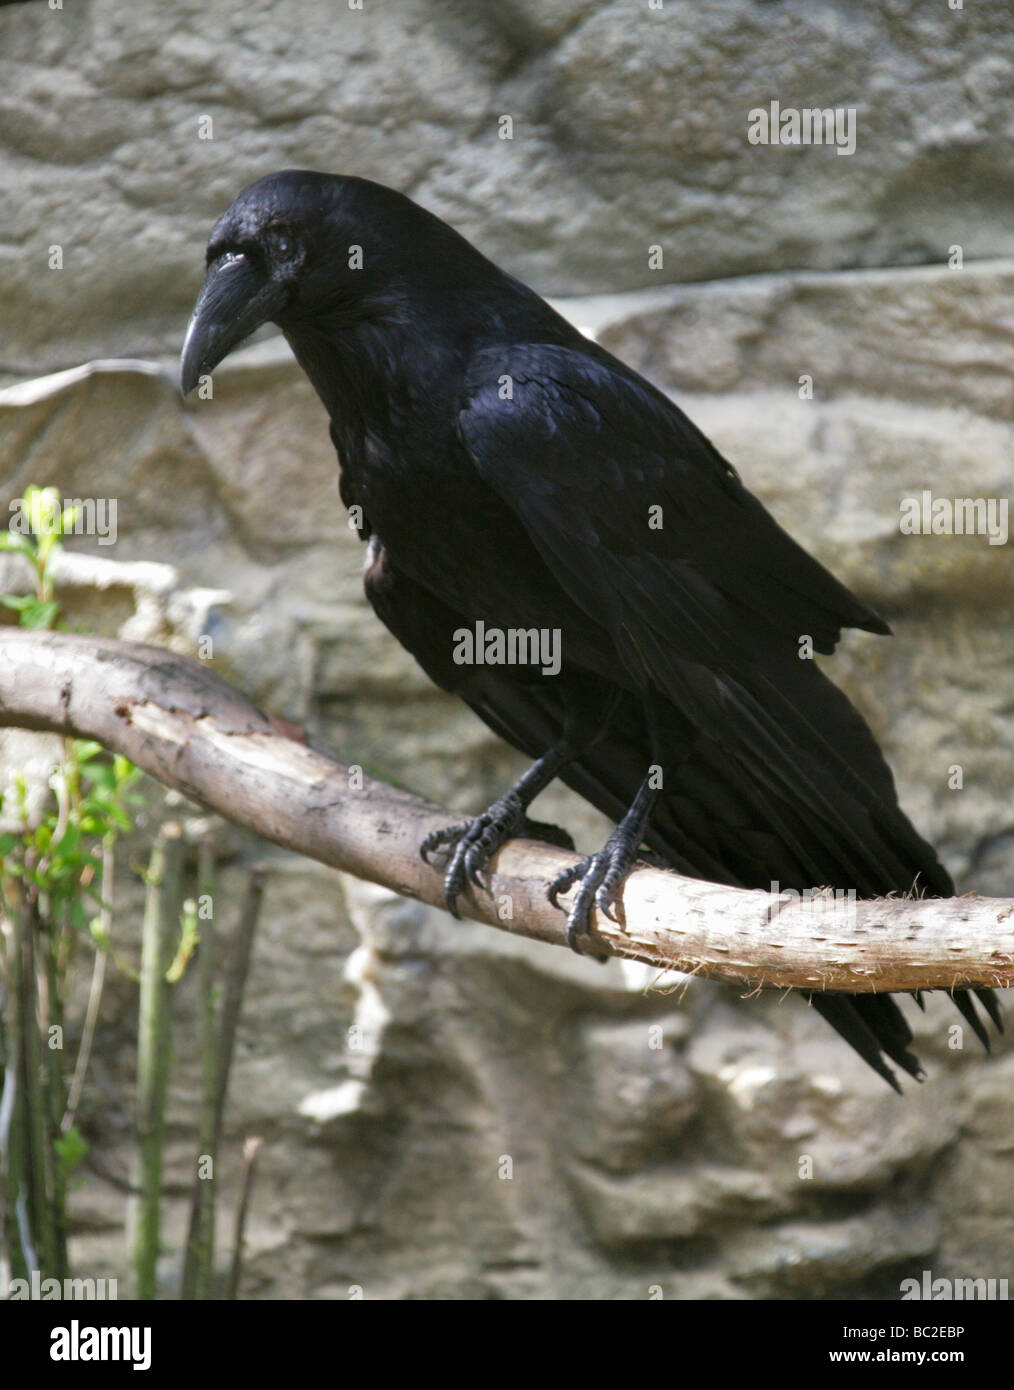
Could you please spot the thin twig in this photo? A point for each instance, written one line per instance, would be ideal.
(95, 988)
(16, 1257)
(161, 918)
(37, 1174)
(251, 1148)
(198, 1265)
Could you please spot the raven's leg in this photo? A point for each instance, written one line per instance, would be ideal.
(601, 874)
(474, 841)
(585, 718)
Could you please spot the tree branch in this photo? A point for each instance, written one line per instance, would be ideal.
(193, 732)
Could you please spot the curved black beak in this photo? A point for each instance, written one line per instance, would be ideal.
(235, 299)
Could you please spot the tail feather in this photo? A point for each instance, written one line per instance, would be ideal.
(966, 1007)
(840, 1011)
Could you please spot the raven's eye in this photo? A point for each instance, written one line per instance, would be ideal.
(281, 242)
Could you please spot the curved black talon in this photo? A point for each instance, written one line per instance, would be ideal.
(600, 876)
(436, 838)
(563, 882)
(471, 844)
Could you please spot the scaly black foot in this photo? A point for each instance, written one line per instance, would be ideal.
(600, 877)
(471, 843)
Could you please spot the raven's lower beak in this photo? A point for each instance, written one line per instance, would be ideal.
(234, 300)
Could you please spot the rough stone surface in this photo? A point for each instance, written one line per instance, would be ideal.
(630, 126)
(448, 1111)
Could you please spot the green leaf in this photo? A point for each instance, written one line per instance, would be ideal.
(68, 842)
(99, 775)
(70, 1149)
(124, 770)
(120, 818)
(10, 540)
(45, 510)
(86, 748)
(98, 935)
(39, 613)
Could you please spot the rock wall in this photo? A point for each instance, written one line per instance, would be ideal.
(516, 1122)
(629, 130)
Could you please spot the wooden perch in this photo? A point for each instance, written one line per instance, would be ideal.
(193, 732)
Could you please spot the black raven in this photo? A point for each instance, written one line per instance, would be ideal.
(516, 482)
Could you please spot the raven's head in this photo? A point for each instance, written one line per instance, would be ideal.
(310, 252)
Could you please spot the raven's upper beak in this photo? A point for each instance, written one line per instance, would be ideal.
(235, 299)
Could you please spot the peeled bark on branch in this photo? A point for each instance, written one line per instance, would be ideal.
(193, 732)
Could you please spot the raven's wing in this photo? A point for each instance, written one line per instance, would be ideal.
(605, 471)
(705, 598)
(708, 602)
